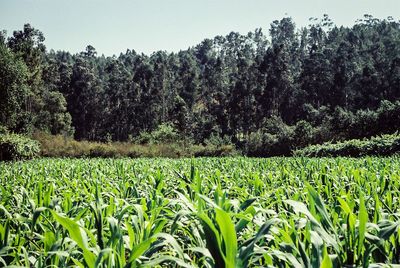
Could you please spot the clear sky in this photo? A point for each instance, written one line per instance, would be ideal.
(112, 26)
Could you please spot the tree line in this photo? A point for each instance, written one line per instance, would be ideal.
(266, 93)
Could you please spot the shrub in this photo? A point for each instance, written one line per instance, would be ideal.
(17, 147)
(217, 141)
(3, 130)
(164, 133)
(274, 139)
(143, 138)
(384, 145)
(303, 134)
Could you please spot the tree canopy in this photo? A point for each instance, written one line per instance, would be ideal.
(266, 93)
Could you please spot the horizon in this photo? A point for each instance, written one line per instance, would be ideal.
(171, 25)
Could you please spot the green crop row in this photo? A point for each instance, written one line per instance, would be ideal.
(204, 212)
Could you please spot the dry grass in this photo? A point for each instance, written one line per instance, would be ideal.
(60, 146)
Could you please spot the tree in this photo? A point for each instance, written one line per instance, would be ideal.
(45, 106)
(13, 91)
(117, 105)
(84, 97)
(28, 46)
(233, 85)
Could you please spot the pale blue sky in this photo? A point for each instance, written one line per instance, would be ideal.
(112, 26)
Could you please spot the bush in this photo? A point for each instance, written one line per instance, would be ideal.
(163, 134)
(274, 139)
(217, 141)
(143, 138)
(384, 145)
(3, 130)
(17, 147)
(303, 134)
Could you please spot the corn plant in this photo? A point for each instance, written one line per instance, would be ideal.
(205, 212)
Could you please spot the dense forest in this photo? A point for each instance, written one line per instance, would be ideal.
(266, 93)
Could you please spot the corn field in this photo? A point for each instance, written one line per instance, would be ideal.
(205, 212)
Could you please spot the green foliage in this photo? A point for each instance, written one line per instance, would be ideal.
(3, 130)
(303, 133)
(217, 140)
(163, 134)
(143, 138)
(17, 147)
(13, 90)
(30, 96)
(204, 212)
(384, 145)
(54, 119)
(265, 93)
(275, 138)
